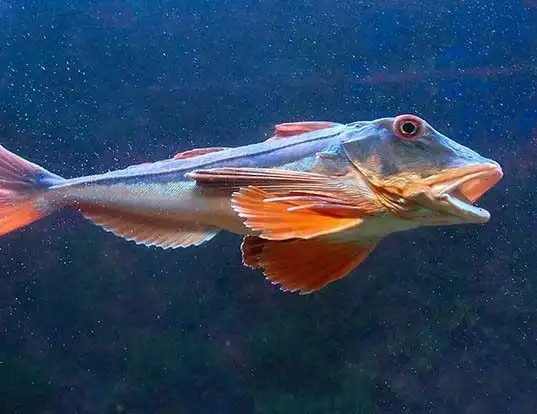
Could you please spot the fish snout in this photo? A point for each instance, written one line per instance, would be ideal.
(457, 196)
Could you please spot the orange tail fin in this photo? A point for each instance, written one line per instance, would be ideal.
(22, 187)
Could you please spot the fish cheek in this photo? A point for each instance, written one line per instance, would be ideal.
(375, 162)
(331, 164)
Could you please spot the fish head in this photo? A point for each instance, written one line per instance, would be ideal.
(418, 173)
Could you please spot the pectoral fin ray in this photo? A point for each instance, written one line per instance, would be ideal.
(235, 178)
(283, 218)
(283, 204)
(303, 265)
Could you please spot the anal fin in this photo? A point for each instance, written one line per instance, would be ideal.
(149, 230)
(303, 265)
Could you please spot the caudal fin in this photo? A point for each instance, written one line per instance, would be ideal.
(22, 188)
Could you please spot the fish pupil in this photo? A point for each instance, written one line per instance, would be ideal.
(409, 128)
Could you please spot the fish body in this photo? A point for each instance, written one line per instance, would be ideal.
(312, 201)
(164, 187)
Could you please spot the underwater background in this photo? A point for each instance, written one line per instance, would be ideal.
(438, 320)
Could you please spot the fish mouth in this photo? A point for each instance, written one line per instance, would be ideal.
(457, 193)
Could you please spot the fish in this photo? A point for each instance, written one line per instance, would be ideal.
(311, 202)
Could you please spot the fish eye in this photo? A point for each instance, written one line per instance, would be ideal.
(408, 127)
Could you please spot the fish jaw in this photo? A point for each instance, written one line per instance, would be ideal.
(444, 198)
(455, 191)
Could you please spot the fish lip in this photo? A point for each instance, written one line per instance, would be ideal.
(457, 196)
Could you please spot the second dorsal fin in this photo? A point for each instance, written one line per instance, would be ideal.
(289, 129)
(197, 151)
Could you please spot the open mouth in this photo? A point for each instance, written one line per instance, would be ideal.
(458, 195)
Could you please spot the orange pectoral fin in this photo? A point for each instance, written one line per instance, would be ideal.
(303, 265)
(282, 204)
(285, 182)
(290, 217)
(289, 129)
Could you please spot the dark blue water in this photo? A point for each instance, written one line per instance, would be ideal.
(436, 321)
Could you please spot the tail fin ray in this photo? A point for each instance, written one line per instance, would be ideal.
(22, 184)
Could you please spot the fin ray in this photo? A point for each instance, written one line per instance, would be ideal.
(196, 152)
(22, 185)
(149, 230)
(284, 204)
(287, 218)
(303, 265)
(235, 178)
(290, 129)
(325, 189)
